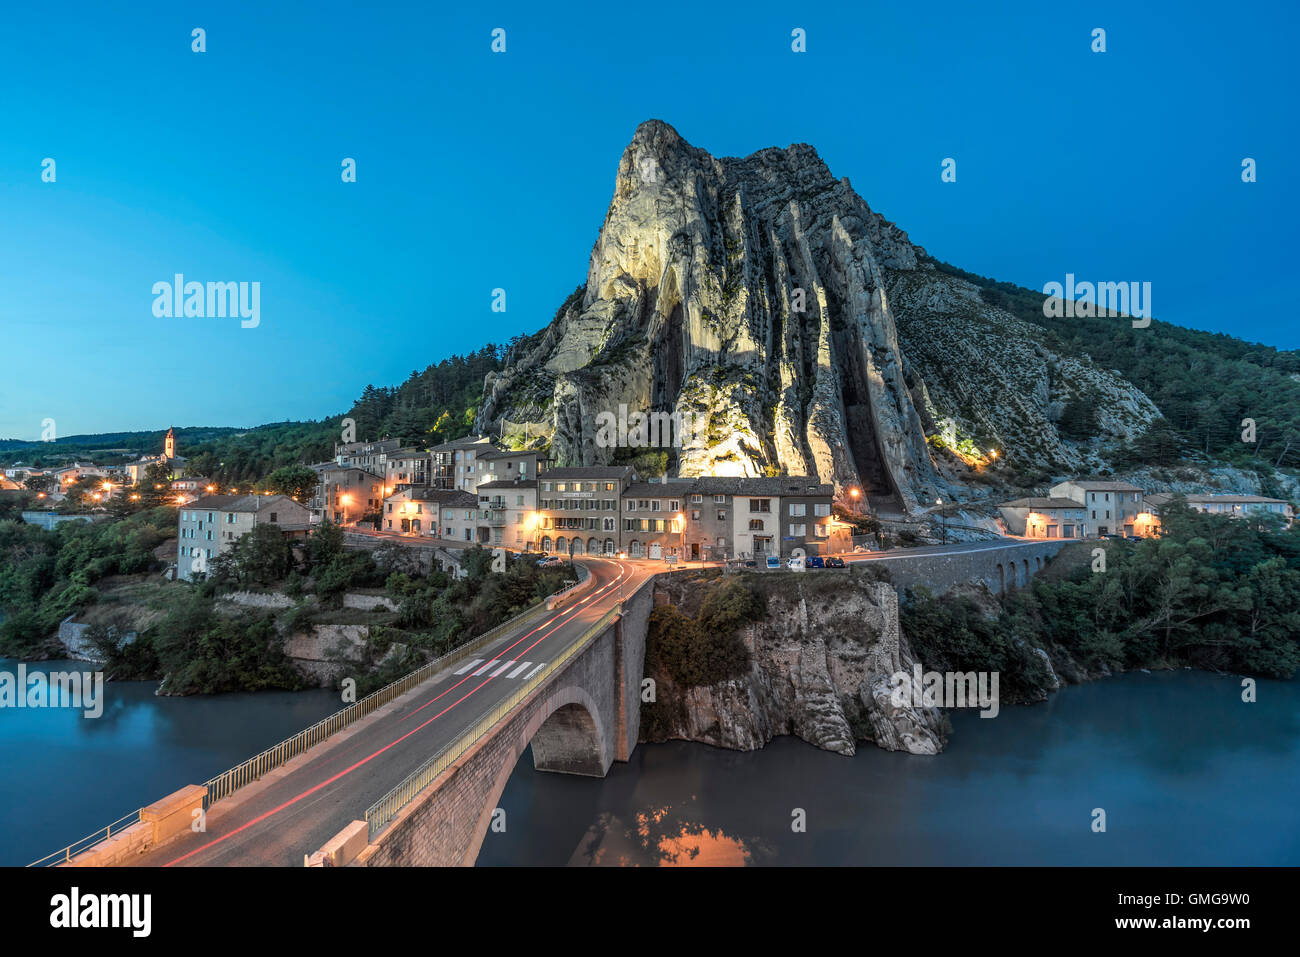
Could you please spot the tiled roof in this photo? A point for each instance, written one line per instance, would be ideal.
(468, 442)
(505, 453)
(444, 496)
(657, 489)
(1039, 502)
(1226, 498)
(1098, 485)
(510, 483)
(240, 503)
(589, 472)
(784, 485)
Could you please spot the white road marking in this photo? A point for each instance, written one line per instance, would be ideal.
(473, 664)
(515, 673)
(535, 670)
(494, 661)
(504, 668)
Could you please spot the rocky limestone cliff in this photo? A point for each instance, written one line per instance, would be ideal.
(764, 294)
(820, 668)
(985, 380)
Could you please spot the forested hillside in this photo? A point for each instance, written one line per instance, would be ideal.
(1204, 383)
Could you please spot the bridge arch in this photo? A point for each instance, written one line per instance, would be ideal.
(567, 735)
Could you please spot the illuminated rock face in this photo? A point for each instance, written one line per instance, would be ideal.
(753, 291)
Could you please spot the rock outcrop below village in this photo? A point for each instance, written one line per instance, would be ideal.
(820, 668)
(764, 297)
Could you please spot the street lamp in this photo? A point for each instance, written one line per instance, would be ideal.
(681, 527)
(943, 529)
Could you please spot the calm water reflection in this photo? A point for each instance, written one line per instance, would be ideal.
(1186, 772)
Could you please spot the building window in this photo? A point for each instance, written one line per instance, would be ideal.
(798, 530)
(822, 509)
(755, 524)
(760, 505)
(798, 510)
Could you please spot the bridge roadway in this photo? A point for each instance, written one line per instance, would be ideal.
(295, 809)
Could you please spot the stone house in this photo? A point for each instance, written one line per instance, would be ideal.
(211, 524)
(1111, 507)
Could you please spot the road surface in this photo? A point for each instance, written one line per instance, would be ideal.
(295, 809)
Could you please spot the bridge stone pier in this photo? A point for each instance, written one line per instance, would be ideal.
(582, 720)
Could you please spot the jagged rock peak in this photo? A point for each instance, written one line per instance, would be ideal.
(753, 297)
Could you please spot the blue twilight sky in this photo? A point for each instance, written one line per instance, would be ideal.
(479, 170)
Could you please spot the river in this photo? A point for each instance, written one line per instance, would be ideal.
(1186, 773)
(63, 776)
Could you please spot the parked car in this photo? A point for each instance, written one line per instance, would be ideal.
(773, 561)
(814, 561)
(834, 562)
(857, 549)
(551, 561)
(794, 564)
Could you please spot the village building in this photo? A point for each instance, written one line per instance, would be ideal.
(459, 514)
(653, 524)
(345, 493)
(411, 510)
(455, 463)
(1111, 508)
(508, 514)
(210, 525)
(505, 465)
(578, 508)
(1235, 505)
(370, 456)
(407, 467)
(186, 490)
(135, 472)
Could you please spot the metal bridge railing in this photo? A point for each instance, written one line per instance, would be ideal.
(228, 782)
(90, 840)
(382, 812)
